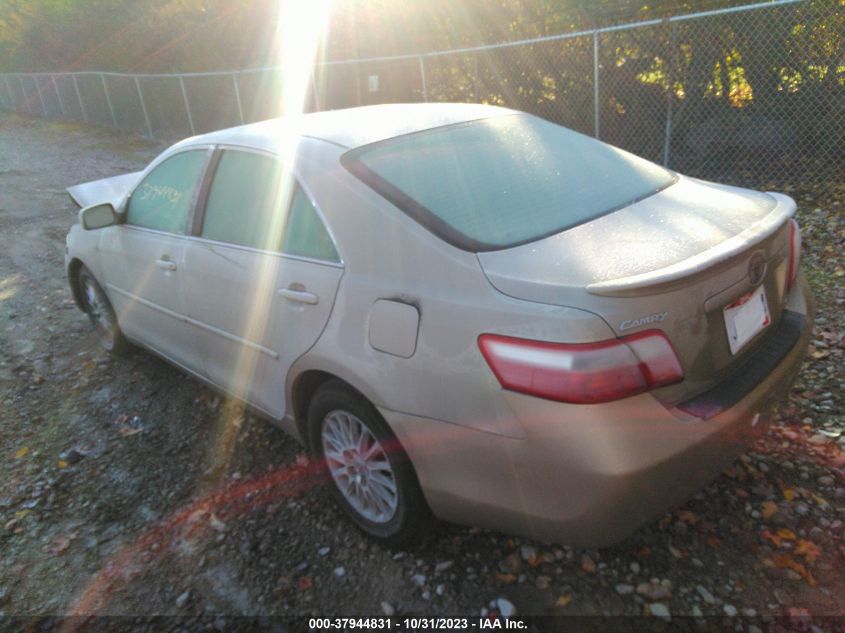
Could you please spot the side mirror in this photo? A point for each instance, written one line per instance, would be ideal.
(98, 216)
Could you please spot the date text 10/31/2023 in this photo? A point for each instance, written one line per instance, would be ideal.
(415, 624)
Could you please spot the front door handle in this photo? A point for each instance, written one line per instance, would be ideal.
(165, 264)
(297, 292)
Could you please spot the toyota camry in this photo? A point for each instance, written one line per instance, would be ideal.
(463, 311)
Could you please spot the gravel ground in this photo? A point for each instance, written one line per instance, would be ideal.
(129, 488)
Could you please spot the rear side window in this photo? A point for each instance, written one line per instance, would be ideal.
(504, 181)
(305, 234)
(164, 198)
(254, 202)
(243, 204)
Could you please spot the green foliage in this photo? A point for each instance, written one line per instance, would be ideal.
(191, 35)
(774, 65)
(135, 35)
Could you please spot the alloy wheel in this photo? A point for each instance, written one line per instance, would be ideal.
(359, 466)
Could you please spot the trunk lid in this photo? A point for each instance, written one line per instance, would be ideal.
(672, 262)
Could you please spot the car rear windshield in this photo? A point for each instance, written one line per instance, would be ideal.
(503, 181)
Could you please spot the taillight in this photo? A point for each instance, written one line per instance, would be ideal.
(583, 373)
(794, 252)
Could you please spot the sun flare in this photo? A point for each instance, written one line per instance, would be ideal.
(300, 34)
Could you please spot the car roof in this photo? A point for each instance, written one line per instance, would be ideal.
(352, 127)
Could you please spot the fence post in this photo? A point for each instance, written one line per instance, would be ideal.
(476, 78)
(108, 99)
(670, 93)
(23, 93)
(6, 81)
(144, 108)
(596, 117)
(40, 96)
(314, 93)
(422, 77)
(58, 96)
(238, 97)
(187, 105)
(12, 100)
(81, 103)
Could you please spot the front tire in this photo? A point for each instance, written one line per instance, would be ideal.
(369, 474)
(97, 306)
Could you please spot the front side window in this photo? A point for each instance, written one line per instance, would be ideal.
(503, 181)
(244, 204)
(164, 198)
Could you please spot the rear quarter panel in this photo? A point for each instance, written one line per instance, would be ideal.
(389, 256)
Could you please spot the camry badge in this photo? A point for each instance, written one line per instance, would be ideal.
(645, 320)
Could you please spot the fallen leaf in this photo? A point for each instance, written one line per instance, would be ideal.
(786, 534)
(305, 583)
(788, 494)
(506, 579)
(809, 550)
(564, 600)
(784, 561)
(22, 452)
(734, 473)
(128, 425)
(774, 538)
(687, 517)
(63, 464)
(821, 501)
(769, 509)
(59, 545)
(714, 542)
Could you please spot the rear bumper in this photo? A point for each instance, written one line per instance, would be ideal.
(588, 475)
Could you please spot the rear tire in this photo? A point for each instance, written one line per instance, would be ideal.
(97, 306)
(368, 472)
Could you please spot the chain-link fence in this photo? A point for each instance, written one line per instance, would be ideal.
(742, 94)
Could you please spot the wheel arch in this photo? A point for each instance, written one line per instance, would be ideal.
(73, 268)
(302, 391)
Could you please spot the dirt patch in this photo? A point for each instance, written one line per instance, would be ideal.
(129, 488)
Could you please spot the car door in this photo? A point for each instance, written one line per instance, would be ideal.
(263, 274)
(143, 258)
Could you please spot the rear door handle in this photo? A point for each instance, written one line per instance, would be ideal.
(300, 296)
(165, 264)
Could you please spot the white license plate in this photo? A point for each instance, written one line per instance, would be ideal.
(745, 317)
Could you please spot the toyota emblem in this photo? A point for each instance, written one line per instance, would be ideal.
(757, 268)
